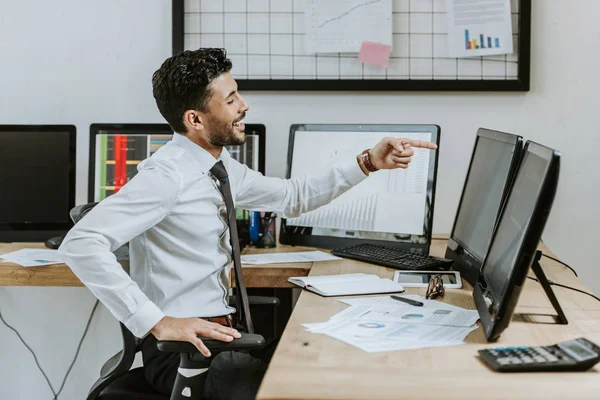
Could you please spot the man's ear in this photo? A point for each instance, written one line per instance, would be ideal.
(193, 120)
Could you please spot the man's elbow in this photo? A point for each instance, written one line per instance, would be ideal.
(67, 250)
(74, 247)
(292, 212)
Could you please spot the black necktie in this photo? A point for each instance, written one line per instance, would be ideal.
(243, 310)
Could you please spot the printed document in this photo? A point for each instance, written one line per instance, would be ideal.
(277, 258)
(375, 324)
(32, 257)
(479, 28)
(341, 26)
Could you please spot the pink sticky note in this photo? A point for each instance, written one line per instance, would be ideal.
(375, 53)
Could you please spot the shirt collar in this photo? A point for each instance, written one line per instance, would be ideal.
(203, 157)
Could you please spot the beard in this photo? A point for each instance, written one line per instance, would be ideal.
(223, 133)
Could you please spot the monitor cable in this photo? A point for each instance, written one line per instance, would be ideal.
(560, 262)
(543, 255)
(566, 287)
(36, 359)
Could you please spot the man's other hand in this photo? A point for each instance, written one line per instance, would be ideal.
(392, 153)
(188, 330)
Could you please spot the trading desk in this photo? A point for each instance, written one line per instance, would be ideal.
(312, 366)
(255, 276)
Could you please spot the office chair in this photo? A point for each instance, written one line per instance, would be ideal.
(118, 382)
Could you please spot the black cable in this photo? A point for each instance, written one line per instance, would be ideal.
(87, 326)
(560, 262)
(36, 359)
(566, 287)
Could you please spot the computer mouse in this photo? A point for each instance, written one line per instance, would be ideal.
(54, 242)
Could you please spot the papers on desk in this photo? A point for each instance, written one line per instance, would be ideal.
(277, 258)
(32, 257)
(376, 324)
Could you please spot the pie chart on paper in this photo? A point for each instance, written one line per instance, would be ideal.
(371, 325)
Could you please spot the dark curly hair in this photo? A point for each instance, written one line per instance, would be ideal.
(182, 83)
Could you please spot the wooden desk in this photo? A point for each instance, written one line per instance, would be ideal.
(312, 366)
(255, 276)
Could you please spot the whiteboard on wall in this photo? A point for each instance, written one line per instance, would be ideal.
(265, 39)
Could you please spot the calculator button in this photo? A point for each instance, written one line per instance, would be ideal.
(539, 359)
(503, 360)
(515, 360)
(544, 353)
(527, 360)
(552, 358)
(523, 347)
(499, 348)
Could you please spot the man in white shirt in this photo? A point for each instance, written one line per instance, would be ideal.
(171, 213)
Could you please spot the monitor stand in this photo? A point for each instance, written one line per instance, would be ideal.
(541, 276)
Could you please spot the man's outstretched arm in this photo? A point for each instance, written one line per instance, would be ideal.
(293, 197)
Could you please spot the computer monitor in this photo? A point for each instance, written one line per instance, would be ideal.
(514, 243)
(37, 181)
(109, 170)
(494, 162)
(390, 207)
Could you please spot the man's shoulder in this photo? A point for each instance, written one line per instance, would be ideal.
(168, 157)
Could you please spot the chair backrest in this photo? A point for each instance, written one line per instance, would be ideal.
(118, 364)
(121, 362)
(79, 211)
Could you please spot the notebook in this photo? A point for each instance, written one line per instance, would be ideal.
(348, 284)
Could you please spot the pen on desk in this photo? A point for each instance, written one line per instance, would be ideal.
(409, 301)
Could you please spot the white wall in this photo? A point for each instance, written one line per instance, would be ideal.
(71, 62)
(63, 66)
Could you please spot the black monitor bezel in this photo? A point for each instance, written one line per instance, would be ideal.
(493, 327)
(329, 242)
(464, 261)
(32, 232)
(159, 129)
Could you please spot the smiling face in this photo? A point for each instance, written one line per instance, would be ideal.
(224, 113)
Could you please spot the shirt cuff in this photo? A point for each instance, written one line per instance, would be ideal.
(144, 319)
(352, 172)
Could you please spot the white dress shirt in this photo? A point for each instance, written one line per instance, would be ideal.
(169, 215)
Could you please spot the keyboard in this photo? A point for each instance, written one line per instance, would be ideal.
(392, 257)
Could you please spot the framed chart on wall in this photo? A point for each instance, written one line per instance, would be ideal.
(265, 39)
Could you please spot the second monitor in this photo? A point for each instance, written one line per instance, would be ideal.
(494, 162)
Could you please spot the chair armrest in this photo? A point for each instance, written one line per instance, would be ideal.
(246, 342)
(258, 301)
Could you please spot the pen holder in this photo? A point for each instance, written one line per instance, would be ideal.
(262, 229)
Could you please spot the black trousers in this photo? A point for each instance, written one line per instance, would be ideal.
(232, 375)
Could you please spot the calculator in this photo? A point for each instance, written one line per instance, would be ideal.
(572, 355)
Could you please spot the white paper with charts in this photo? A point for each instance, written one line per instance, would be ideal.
(392, 201)
(32, 257)
(340, 26)
(376, 324)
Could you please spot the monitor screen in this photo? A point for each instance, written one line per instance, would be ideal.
(37, 177)
(117, 149)
(516, 238)
(392, 207)
(494, 162)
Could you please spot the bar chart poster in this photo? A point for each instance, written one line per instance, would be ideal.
(479, 28)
